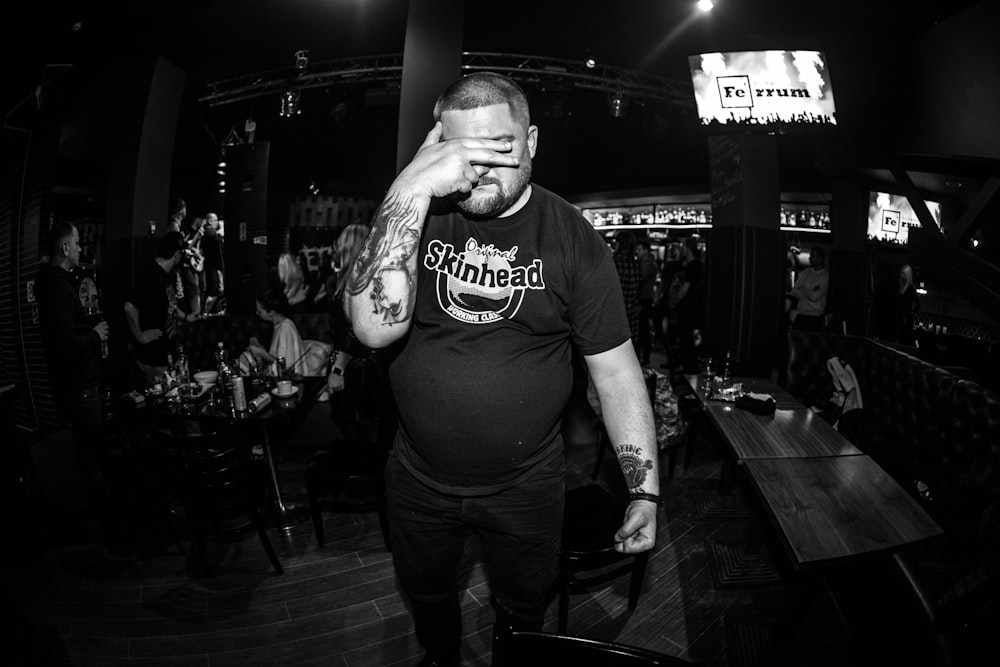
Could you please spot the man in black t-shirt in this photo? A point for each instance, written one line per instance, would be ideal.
(490, 281)
(151, 312)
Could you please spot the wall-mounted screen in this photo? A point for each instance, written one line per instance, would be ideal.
(763, 90)
(891, 216)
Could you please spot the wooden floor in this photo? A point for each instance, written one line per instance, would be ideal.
(341, 606)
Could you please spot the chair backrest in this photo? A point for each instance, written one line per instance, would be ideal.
(514, 648)
(216, 471)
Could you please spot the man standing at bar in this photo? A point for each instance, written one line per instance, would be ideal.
(73, 351)
(493, 279)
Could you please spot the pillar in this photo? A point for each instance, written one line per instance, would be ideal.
(744, 254)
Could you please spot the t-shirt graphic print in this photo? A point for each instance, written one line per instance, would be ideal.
(481, 284)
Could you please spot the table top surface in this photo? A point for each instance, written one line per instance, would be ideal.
(793, 431)
(828, 509)
(278, 412)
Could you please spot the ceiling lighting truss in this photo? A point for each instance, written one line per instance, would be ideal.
(387, 69)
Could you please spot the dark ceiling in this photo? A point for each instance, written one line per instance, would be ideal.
(346, 140)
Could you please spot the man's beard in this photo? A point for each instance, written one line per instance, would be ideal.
(484, 208)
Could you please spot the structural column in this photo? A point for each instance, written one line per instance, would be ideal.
(744, 254)
(432, 58)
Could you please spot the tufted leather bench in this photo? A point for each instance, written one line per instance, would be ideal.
(201, 337)
(938, 434)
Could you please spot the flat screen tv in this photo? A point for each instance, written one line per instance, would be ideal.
(891, 216)
(769, 91)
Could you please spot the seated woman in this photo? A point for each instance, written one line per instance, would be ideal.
(272, 306)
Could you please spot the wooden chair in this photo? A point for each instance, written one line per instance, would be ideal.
(587, 557)
(519, 648)
(220, 482)
(347, 476)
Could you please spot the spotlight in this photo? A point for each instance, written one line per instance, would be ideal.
(590, 63)
(289, 104)
(705, 5)
(301, 59)
(617, 104)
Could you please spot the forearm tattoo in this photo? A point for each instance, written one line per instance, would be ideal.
(383, 269)
(634, 467)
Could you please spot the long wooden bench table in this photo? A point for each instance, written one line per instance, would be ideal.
(826, 498)
(793, 431)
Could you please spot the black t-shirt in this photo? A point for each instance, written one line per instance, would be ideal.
(486, 371)
(692, 306)
(154, 298)
(211, 250)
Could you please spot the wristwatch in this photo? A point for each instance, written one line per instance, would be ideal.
(338, 371)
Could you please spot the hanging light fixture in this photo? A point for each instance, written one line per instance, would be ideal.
(301, 59)
(289, 104)
(617, 104)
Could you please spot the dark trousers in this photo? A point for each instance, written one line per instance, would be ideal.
(83, 409)
(519, 530)
(648, 327)
(808, 323)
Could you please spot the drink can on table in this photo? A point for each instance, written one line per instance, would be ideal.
(239, 394)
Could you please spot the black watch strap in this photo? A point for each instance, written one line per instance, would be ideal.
(652, 497)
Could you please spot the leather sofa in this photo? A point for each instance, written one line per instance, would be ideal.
(201, 337)
(938, 434)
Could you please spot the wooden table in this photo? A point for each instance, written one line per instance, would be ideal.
(793, 431)
(828, 502)
(828, 509)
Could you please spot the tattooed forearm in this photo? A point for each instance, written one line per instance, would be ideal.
(386, 268)
(635, 466)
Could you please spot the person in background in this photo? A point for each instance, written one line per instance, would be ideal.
(689, 285)
(810, 291)
(356, 402)
(649, 328)
(293, 282)
(629, 276)
(152, 312)
(907, 305)
(215, 265)
(491, 283)
(73, 354)
(672, 265)
(178, 212)
(272, 306)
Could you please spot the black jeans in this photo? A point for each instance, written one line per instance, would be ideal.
(646, 324)
(519, 529)
(83, 409)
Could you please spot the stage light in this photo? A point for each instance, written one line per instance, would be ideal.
(617, 104)
(289, 104)
(705, 5)
(590, 63)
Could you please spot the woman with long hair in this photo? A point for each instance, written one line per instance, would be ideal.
(293, 281)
